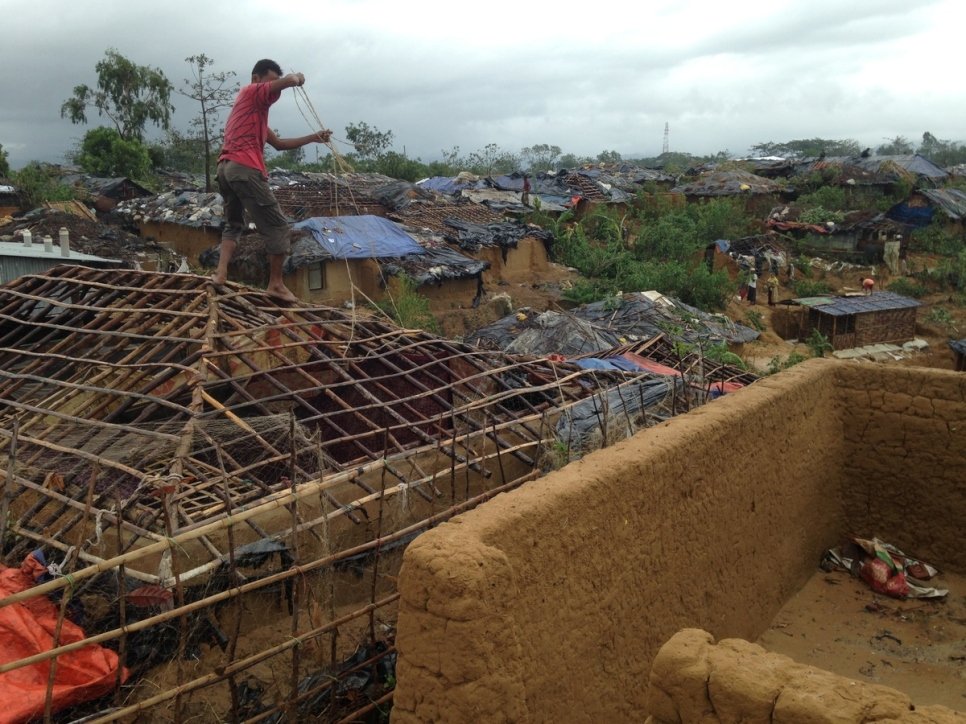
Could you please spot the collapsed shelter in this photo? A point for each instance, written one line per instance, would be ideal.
(221, 488)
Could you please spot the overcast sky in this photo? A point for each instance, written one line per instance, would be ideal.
(584, 76)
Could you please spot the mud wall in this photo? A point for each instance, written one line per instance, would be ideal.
(555, 598)
(694, 679)
(905, 476)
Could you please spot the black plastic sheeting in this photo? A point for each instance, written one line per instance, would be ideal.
(618, 410)
(435, 265)
(400, 194)
(601, 325)
(504, 234)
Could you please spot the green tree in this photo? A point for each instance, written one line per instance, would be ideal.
(541, 157)
(367, 140)
(130, 95)
(810, 147)
(898, 146)
(37, 185)
(609, 157)
(213, 92)
(492, 159)
(4, 163)
(941, 152)
(103, 152)
(572, 161)
(179, 151)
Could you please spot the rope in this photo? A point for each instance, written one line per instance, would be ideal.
(313, 120)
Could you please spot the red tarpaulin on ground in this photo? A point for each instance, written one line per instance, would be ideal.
(27, 628)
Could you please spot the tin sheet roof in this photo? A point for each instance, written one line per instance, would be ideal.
(875, 302)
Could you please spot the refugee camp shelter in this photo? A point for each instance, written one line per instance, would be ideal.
(188, 222)
(856, 321)
(516, 252)
(303, 195)
(759, 193)
(221, 479)
(16, 259)
(925, 205)
(9, 200)
(104, 194)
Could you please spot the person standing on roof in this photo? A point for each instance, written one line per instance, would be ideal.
(243, 179)
(525, 196)
(867, 285)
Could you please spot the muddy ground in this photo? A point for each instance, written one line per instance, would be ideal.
(918, 646)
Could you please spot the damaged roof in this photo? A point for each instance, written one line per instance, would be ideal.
(433, 216)
(728, 183)
(606, 324)
(182, 207)
(952, 202)
(165, 403)
(874, 170)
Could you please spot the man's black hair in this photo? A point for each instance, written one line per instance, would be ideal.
(265, 65)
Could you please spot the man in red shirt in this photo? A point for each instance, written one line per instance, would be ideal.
(243, 179)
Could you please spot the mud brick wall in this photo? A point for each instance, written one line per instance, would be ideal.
(695, 679)
(549, 603)
(905, 474)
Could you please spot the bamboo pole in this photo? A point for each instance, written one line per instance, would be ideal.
(240, 665)
(278, 500)
(253, 585)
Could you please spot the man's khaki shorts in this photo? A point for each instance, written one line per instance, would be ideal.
(244, 189)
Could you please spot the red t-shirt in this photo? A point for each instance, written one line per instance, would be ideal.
(247, 127)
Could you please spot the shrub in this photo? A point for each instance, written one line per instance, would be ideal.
(907, 287)
(818, 343)
(935, 239)
(940, 316)
(820, 215)
(811, 288)
(828, 197)
(408, 308)
(37, 186)
(755, 319)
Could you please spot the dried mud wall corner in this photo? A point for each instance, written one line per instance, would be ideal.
(550, 602)
(905, 471)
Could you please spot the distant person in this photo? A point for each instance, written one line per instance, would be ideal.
(867, 285)
(753, 287)
(525, 196)
(772, 286)
(243, 179)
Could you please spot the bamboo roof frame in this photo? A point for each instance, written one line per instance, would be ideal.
(169, 413)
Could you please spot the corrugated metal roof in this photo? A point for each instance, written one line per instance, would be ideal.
(875, 302)
(36, 251)
(951, 201)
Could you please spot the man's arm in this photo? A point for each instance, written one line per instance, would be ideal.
(287, 81)
(287, 144)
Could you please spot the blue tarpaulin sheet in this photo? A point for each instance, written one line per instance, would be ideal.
(360, 237)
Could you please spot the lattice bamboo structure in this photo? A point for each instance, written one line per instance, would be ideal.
(259, 468)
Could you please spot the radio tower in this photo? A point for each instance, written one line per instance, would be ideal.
(666, 146)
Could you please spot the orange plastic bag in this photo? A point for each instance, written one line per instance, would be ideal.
(27, 628)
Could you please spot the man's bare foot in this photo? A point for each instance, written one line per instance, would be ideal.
(218, 279)
(283, 294)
